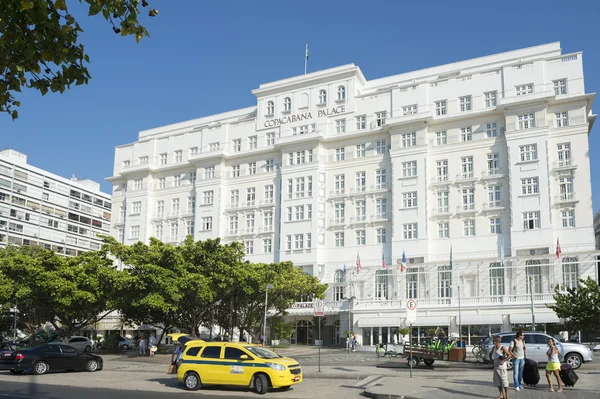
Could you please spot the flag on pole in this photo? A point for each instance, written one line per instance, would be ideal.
(307, 51)
(403, 264)
(558, 251)
(502, 252)
(450, 257)
(358, 265)
(344, 268)
(306, 59)
(382, 259)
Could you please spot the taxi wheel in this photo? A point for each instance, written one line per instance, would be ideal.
(192, 382)
(261, 384)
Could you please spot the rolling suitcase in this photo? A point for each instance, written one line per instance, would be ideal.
(568, 375)
(531, 374)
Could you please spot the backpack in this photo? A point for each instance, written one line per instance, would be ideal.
(514, 345)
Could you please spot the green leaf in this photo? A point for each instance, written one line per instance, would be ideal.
(60, 5)
(26, 5)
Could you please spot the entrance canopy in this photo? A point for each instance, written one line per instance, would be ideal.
(379, 322)
(432, 321)
(545, 317)
(477, 319)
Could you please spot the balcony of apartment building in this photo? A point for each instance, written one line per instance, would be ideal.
(213, 150)
(381, 217)
(410, 114)
(268, 202)
(566, 165)
(513, 96)
(441, 180)
(495, 173)
(466, 177)
(566, 199)
(298, 136)
(337, 222)
(142, 164)
(266, 229)
(492, 206)
(441, 212)
(466, 209)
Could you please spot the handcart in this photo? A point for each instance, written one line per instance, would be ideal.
(416, 354)
(391, 350)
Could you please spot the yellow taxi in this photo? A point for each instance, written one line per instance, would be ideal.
(240, 364)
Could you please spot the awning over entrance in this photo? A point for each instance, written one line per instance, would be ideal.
(476, 319)
(379, 322)
(432, 321)
(526, 318)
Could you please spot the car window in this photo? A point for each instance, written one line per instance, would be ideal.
(193, 351)
(212, 352)
(52, 349)
(530, 339)
(234, 353)
(69, 350)
(540, 339)
(262, 352)
(77, 340)
(507, 339)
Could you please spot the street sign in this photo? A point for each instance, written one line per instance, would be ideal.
(411, 311)
(319, 308)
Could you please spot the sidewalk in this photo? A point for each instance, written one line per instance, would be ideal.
(469, 384)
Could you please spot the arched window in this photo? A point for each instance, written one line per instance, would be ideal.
(533, 270)
(570, 269)
(496, 279)
(341, 93)
(381, 284)
(270, 108)
(322, 97)
(287, 104)
(339, 277)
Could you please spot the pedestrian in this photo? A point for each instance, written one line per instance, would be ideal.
(574, 337)
(553, 366)
(500, 355)
(243, 337)
(218, 337)
(142, 345)
(152, 344)
(177, 350)
(354, 342)
(261, 339)
(517, 350)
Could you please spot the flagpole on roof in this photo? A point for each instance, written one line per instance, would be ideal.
(306, 59)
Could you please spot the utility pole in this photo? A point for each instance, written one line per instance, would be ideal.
(532, 303)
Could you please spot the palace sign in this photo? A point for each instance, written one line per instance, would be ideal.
(304, 116)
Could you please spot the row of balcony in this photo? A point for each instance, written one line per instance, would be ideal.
(427, 303)
(359, 190)
(250, 231)
(358, 219)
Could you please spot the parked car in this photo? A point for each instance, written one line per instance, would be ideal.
(237, 364)
(41, 359)
(80, 343)
(536, 344)
(126, 343)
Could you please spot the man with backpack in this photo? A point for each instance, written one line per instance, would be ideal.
(517, 350)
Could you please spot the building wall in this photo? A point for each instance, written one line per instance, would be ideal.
(39, 208)
(508, 104)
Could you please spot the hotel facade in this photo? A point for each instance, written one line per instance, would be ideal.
(39, 208)
(487, 158)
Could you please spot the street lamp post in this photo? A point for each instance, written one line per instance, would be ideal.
(15, 324)
(266, 307)
(532, 303)
(349, 322)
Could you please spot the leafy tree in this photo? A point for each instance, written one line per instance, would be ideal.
(580, 306)
(70, 293)
(40, 48)
(281, 329)
(289, 285)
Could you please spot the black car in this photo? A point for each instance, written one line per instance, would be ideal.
(41, 359)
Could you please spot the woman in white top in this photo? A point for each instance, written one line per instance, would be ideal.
(553, 366)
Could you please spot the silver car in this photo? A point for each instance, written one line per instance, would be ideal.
(80, 343)
(537, 345)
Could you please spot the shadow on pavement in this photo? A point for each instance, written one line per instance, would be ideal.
(173, 383)
(460, 393)
(474, 382)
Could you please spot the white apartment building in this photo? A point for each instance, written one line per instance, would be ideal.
(39, 208)
(478, 156)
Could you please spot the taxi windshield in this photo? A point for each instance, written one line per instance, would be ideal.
(261, 352)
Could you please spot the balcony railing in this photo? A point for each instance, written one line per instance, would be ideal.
(247, 230)
(564, 164)
(266, 229)
(232, 232)
(381, 217)
(441, 211)
(443, 179)
(337, 192)
(377, 304)
(565, 198)
(493, 206)
(379, 187)
(337, 222)
(466, 208)
(358, 219)
(173, 214)
(267, 202)
(465, 176)
(493, 173)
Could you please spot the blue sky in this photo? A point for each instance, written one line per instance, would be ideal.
(205, 57)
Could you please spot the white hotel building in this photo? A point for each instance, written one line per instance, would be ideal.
(42, 209)
(476, 156)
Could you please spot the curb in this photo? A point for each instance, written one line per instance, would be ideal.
(335, 376)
